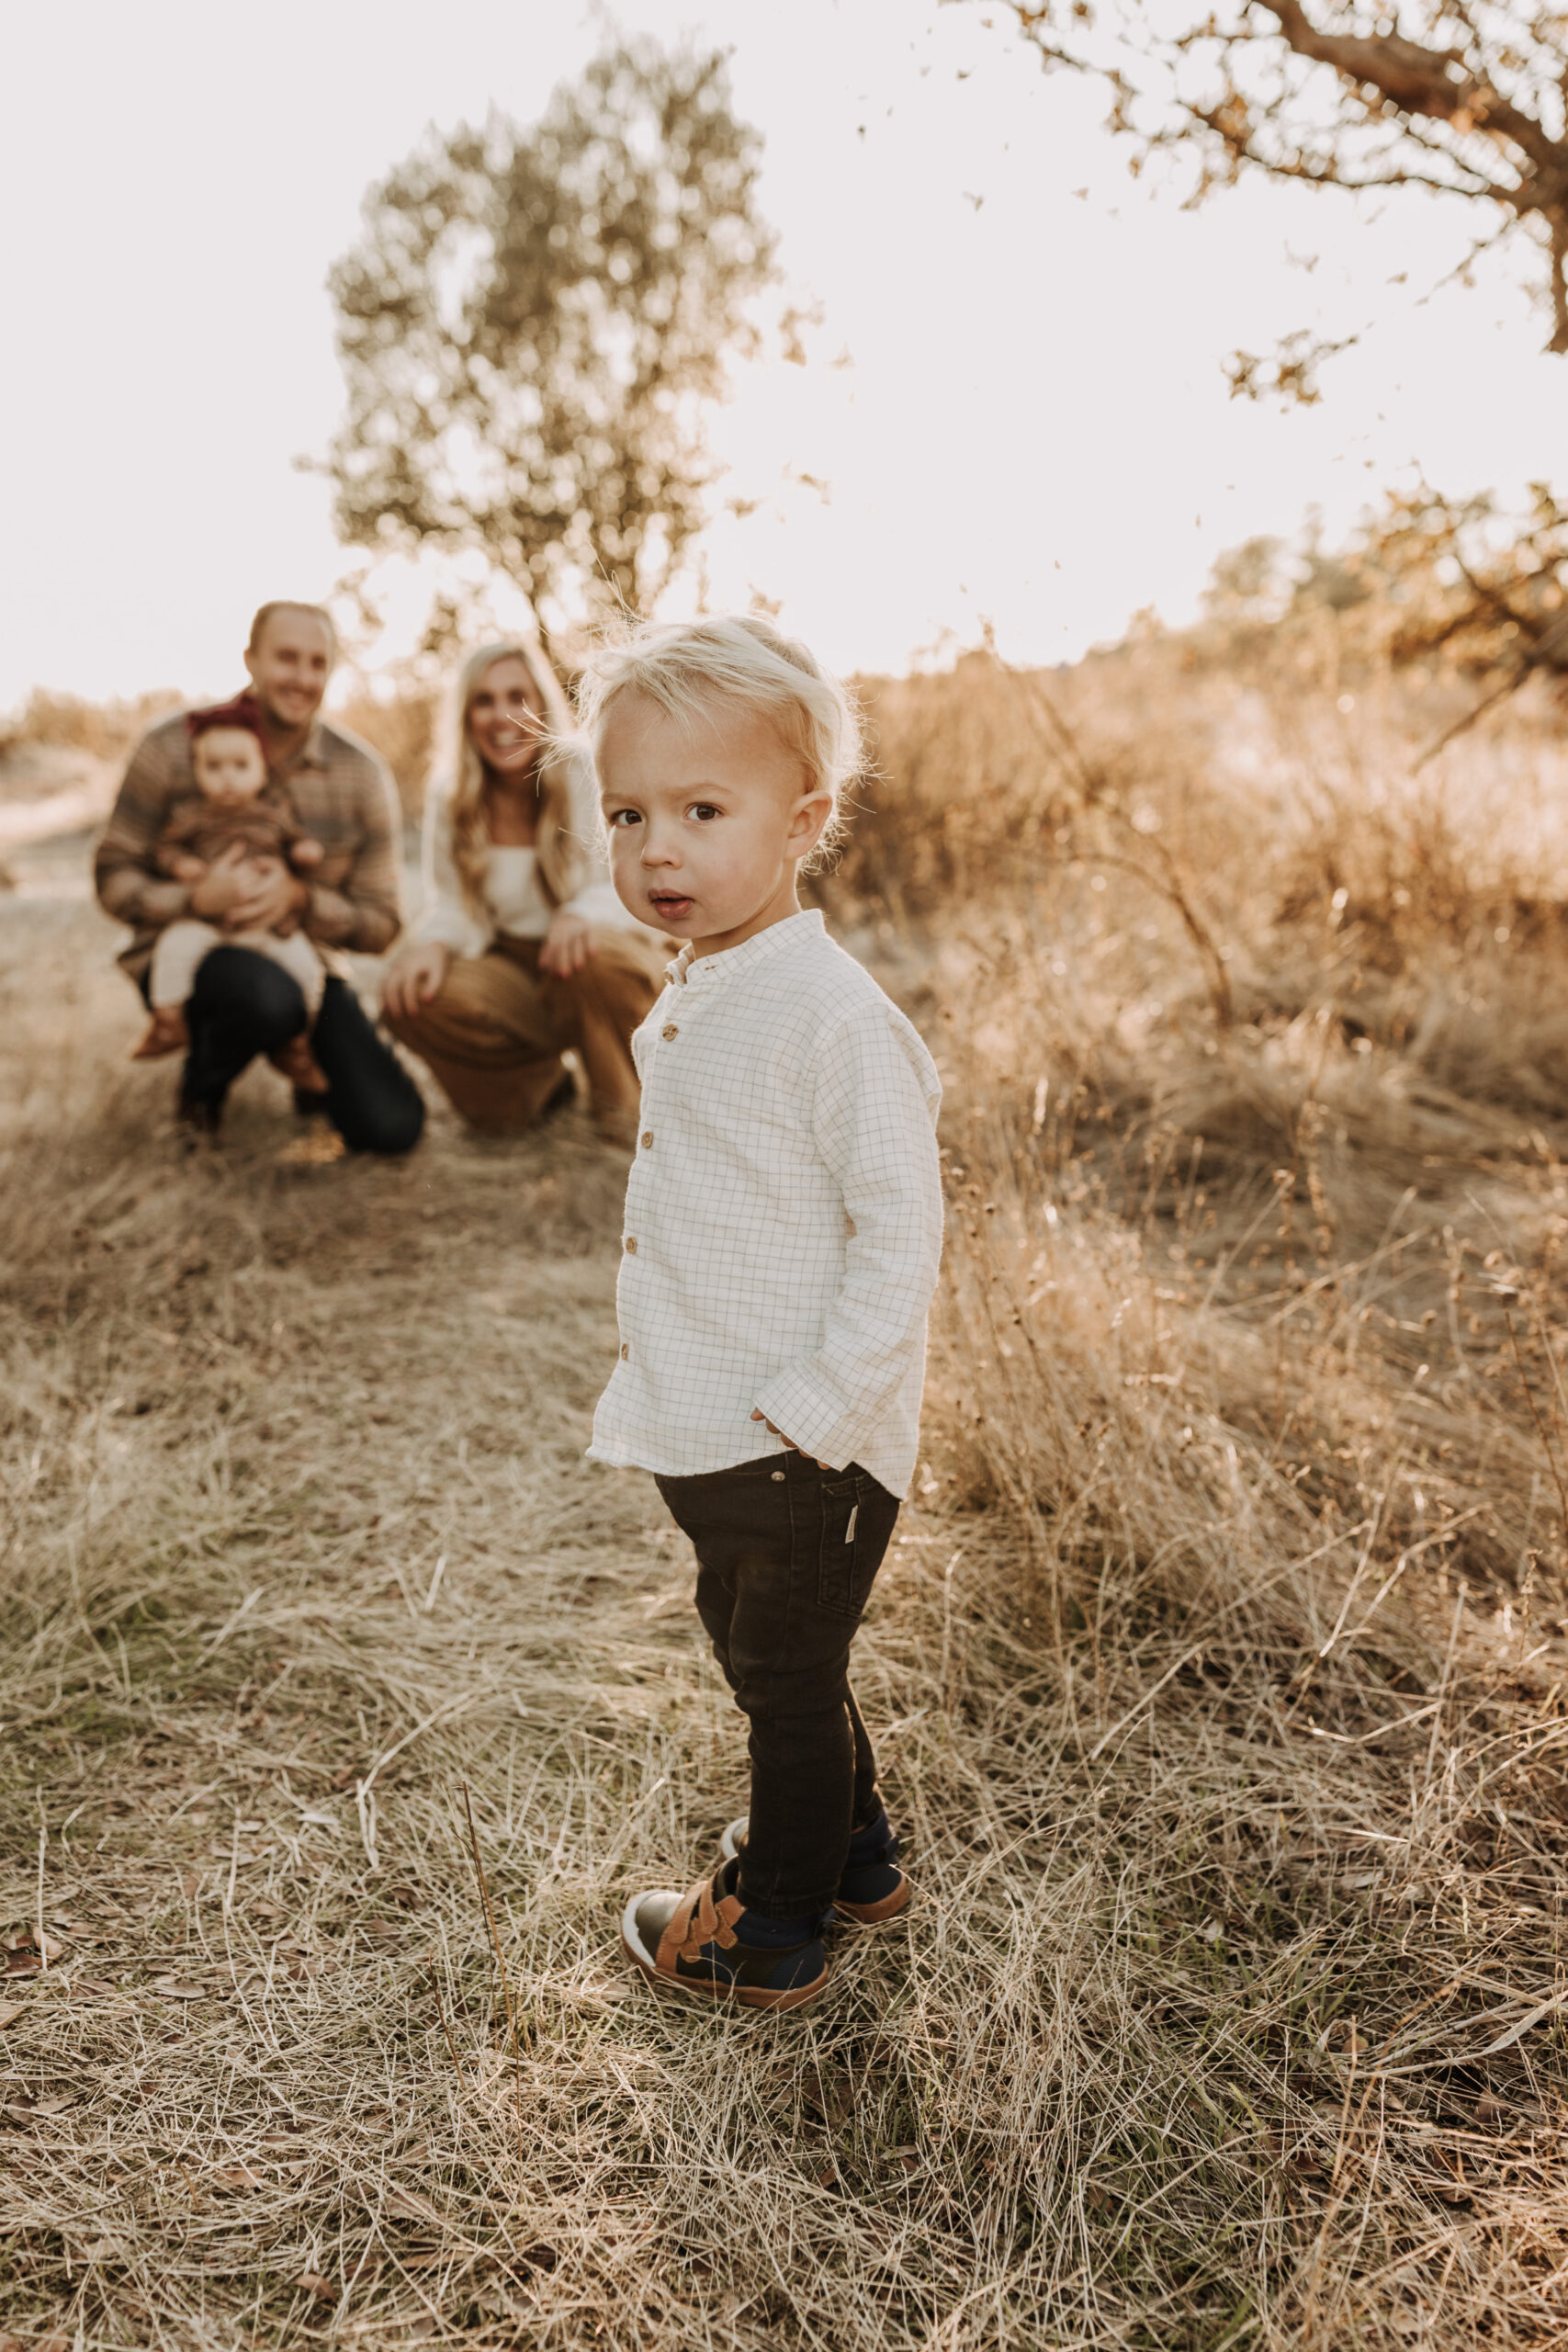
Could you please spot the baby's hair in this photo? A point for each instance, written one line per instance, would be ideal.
(244, 712)
(739, 658)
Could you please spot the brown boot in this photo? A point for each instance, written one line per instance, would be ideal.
(299, 1065)
(167, 1032)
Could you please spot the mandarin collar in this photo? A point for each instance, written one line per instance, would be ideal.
(694, 971)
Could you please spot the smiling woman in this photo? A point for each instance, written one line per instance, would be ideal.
(521, 951)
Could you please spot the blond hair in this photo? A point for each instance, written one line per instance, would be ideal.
(686, 667)
(555, 848)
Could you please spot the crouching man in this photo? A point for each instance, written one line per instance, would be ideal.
(244, 1003)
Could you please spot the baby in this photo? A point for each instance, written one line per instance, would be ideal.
(234, 814)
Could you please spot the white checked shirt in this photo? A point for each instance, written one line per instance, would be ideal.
(784, 1217)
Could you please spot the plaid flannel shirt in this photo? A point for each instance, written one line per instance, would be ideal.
(345, 797)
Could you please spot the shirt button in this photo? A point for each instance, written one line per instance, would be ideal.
(778, 1478)
(669, 1031)
(626, 1352)
(631, 1245)
(648, 1139)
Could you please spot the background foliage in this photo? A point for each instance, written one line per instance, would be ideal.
(535, 322)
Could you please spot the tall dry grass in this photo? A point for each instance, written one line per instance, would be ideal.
(1218, 1666)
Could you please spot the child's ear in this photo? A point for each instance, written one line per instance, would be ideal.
(806, 825)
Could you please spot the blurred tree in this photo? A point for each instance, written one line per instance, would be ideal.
(1248, 582)
(535, 320)
(1490, 595)
(1442, 94)
(1461, 585)
(1328, 578)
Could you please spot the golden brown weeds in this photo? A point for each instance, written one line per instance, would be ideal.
(1217, 1668)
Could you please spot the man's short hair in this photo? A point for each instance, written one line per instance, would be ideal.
(291, 604)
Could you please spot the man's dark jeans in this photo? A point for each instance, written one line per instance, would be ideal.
(787, 1555)
(244, 1005)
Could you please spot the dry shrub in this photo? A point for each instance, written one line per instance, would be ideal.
(1163, 835)
(1289, 1608)
(109, 730)
(400, 724)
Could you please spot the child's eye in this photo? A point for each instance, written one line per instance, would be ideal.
(619, 820)
(703, 809)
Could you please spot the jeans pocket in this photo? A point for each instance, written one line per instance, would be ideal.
(857, 1520)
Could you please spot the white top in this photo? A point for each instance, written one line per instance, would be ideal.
(784, 1217)
(514, 899)
(517, 903)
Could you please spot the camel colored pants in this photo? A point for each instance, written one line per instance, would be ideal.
(494, 1034)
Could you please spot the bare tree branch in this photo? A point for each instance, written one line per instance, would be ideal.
(1461, 101)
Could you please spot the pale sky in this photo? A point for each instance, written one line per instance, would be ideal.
(1032, 426)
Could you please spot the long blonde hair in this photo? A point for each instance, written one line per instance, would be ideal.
(554, 847)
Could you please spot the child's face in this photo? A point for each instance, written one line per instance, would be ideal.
(228, 765)
(708, 820)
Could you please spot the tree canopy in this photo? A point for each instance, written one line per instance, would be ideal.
(1443, 94)
(535, 320)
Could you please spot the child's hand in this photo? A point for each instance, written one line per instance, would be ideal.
(787, 1442)
(306, 852)
(185, 868)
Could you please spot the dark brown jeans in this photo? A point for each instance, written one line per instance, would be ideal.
(786, 1556)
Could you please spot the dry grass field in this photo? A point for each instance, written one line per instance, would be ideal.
(1219, 1668)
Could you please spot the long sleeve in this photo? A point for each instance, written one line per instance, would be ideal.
(874, 1123)
(129, 885)
(444, 918)
(784, 1217)
(364, 911)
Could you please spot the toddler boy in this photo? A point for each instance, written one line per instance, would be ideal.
(782, 1233)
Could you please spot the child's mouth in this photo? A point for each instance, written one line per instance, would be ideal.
(669, 904)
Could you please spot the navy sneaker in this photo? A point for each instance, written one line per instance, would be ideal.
(873, 1887)
(696, 1942)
